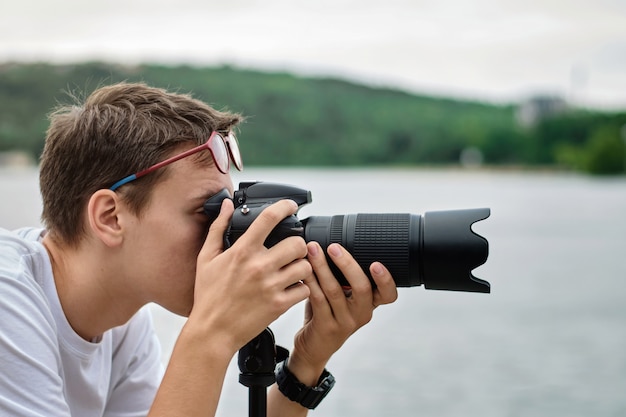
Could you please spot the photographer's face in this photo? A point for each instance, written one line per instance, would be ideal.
(170, 232)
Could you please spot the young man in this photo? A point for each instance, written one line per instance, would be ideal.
(74, 338)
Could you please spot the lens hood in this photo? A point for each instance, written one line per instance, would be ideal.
(451, 250)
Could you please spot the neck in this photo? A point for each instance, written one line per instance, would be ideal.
(90, 289)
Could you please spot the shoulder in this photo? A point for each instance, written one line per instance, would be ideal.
(22, 265)
(25, 281)
(18, 242)
(19, 246)
(28, 341)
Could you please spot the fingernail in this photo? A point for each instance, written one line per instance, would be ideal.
(313, 251)
(377, 269)
(334, 250)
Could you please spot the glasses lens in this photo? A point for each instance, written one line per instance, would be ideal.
(233, 146)
(219, 152)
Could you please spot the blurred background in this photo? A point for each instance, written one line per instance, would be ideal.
(530, 83)
(396, 106)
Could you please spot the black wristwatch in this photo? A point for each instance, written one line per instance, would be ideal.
(308, 397)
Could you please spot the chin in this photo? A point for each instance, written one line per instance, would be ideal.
(181, 307)
(179, 311)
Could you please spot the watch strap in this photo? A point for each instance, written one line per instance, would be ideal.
(306, 396)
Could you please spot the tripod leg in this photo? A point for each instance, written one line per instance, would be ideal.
(257, 399)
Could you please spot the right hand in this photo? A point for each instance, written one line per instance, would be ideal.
(240, 291)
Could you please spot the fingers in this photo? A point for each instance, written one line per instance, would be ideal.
(331, 315)
(285, 260)
(360, 288)
(386, 291)
(359, 282)
(265, 222)
(257, 232)
(329, 296)
(287, 249)
(323, 274)
(214, 242)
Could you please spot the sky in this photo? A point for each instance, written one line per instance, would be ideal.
(497, 51)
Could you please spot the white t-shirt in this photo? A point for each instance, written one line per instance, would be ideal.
(46, 369)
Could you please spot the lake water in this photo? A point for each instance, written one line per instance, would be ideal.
(550, 340)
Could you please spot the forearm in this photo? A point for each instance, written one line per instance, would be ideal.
(193, 380)
(280, 406)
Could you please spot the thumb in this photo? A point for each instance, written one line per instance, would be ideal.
(214, 243)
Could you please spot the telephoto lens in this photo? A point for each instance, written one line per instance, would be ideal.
(438, 250)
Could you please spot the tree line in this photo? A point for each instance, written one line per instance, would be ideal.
(300, 121)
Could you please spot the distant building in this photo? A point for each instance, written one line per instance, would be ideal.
(537, 108)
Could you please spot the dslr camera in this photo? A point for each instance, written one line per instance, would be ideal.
(437, 249)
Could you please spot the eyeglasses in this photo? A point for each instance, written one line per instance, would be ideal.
(223, 149)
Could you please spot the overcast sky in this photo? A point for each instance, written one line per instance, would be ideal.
(501, 51)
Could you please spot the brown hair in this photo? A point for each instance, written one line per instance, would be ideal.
(119, 130)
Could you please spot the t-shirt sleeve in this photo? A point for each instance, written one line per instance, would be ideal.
(137, 368)
(30, 365)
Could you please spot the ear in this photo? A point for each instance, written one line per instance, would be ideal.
(103, 213)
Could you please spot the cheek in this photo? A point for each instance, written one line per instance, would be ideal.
(185, 246)
(173, 242)
(187, 243)
(175, 264)
(171, 247)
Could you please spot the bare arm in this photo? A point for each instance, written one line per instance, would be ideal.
(331, 317)
(250, 282)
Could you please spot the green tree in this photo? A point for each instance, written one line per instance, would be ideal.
(605, 151)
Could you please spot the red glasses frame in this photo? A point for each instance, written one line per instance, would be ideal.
(223, 150)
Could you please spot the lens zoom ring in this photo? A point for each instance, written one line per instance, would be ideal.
(384, 238)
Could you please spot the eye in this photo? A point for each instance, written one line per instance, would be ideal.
(203, 218)
(199, 213)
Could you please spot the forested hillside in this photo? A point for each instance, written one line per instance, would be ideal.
(323, 122)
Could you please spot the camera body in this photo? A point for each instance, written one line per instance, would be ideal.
(438, 249)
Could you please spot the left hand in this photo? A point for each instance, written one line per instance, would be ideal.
(332, 315)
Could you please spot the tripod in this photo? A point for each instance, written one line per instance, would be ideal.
(257, 361)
